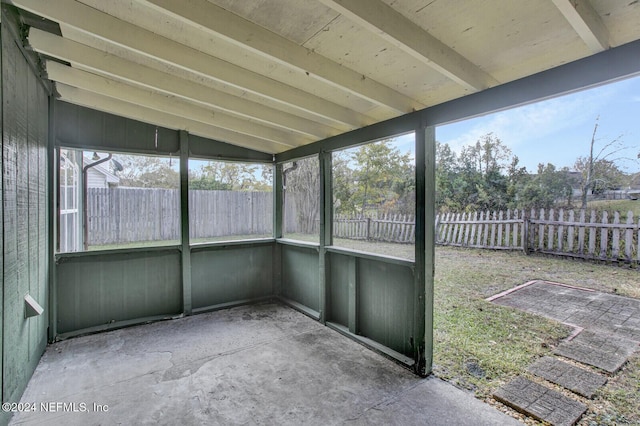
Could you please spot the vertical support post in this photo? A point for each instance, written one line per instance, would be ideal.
(278, 208)
(53, 169)
(425, 248)
(184, 220)
(353, 295)
(326, 232)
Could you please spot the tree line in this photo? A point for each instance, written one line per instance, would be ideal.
(378, 177)
(487, 176)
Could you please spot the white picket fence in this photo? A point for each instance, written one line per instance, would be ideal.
(587, 235)
(388, 227)
(492, 230)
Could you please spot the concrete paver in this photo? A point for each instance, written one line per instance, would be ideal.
(607, 334)
(600, 350)
(540, 402)
(593, 310)
(576, 379)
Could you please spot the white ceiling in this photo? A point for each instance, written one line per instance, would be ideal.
(272, 75)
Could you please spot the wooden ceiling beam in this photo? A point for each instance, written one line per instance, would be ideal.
(149, 99)
(586, 22)
(107, 64)
(384, 21)
(125, 109)
(104, 26)
(221, 23)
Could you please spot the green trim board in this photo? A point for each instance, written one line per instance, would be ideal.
(84, 128)
(185, 222)
(373, 345)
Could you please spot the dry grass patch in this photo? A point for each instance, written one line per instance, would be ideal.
(480, 346)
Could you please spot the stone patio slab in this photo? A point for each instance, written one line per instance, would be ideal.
(585, 308)
(600, 350)
(576, 379)
(540, 402)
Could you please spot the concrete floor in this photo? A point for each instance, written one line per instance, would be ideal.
(264, 364)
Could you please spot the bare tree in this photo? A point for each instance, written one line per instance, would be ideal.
(599, 169)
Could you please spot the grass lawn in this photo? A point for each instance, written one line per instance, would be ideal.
(479, 346)
(622, 206)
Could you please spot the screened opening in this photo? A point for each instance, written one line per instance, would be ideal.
(230, 200)
(374, 197)
(113, 201)
(301, 193)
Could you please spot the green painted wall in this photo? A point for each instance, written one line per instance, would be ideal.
(107, 288)
(374, 299)
(227, 274)
(385, 304)
(24, 218)
(339, 288)
(300, 278)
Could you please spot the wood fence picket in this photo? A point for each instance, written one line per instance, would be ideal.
(122, 215)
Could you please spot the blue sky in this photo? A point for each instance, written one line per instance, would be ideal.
(558, 130)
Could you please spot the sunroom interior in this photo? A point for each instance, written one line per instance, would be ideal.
(271, 83)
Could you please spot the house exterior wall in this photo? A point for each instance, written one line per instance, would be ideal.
(25, 233)
(96, 179)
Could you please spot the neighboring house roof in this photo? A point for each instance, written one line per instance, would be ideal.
(103, 169)
(634, 183)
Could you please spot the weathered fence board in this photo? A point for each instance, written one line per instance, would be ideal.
(598, 237)
(125, 215)
(122, 215)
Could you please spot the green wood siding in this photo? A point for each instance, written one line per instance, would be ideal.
(98, 289)
(228, 274)
(300, 277)
(24, 204)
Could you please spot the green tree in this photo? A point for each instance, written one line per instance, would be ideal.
(381, 175)
(141, 171)
(546, 188)
(231, 176)
(480, 182)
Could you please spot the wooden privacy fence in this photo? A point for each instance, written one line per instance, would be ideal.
(587, 235)
(124, 215)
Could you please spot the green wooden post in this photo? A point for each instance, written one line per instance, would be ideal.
(425, 244)
(326, 232)
(184, 219)
(278, 208)
(53, 169)
(353, 295)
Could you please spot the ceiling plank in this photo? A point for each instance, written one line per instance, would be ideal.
(144, 97)
(393, 27)
(245, 34)
(586, 22)
(104, 63)
(125, 109)
(104, 26)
